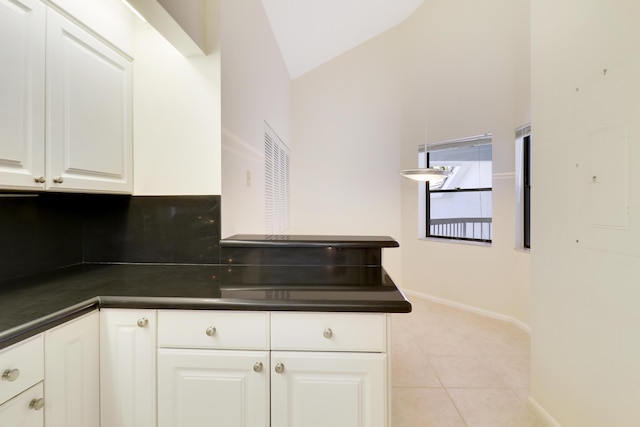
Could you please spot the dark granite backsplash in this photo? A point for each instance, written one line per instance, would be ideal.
(41, 232)
(38, 233)
(154, 229)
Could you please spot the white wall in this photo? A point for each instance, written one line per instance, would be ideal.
(453, 69)
(177, 126)
(255, 89)
(347, 127)
(585, 267)
(473, 80)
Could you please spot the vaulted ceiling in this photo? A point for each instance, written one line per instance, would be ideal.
(312, 32)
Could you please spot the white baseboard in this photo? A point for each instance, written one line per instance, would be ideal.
(546, 418)
(482, 312)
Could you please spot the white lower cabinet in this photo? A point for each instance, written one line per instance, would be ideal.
(277, 369)
(24, 409)
(329, 369)
(213, 368)
(127, 368)
(199, 388)
(203, 368)
(72, 373)
(313, 389)
(21, 375)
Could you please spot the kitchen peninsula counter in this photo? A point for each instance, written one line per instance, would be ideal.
(35, 303)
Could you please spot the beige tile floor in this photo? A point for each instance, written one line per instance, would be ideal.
(455, 368)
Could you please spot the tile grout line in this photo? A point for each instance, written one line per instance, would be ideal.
(446, 390)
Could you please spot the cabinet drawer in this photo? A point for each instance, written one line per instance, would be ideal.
(329, 331)
(23, 364)
(17, 413)
(213, 329)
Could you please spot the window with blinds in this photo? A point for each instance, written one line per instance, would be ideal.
(276, 172)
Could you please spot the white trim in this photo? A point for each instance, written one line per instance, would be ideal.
(503, 175)
(482, 312)
(459, 142)
(523, 131)
(544, 416)
(229, 139)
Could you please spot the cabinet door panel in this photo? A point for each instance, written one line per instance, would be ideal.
(72, 373)
(127, 368)
(22, 49)
(203, 388)
(328, 389)
(16, 412)
(89, 128)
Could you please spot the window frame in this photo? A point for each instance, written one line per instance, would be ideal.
(526, 216)
(523, 187)
(425, 192)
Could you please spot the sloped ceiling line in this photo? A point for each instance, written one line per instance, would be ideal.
(312, 32)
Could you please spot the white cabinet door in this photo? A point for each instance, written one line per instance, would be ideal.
(206, 388)
(22, 80)
(89, 116)
(128, 368)
(18, 412)
(72, 373)
(311, 389)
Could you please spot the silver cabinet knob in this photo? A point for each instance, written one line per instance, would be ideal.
(11, 374)
(36, 404)
(58, 180)
(142, 322)
(279, 368)
(328, 333)
(257, 367)
(211, 331)
(40, 179)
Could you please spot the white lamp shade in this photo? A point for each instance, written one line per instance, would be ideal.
(434, 176)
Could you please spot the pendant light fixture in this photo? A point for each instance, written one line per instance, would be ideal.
(433, 175)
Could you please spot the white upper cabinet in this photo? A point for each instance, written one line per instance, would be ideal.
(65, 111)
(112, 20)
(22, 77)
(89, 120)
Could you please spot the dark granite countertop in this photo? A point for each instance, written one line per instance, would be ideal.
(306, 241)
(33, 304)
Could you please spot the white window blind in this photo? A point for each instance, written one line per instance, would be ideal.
(276, 171)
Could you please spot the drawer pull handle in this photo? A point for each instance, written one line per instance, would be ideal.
(36, 404)
(328, 333)
(142, 322)
(58, 180)
(279, 368)
(257, 367)
(211, 331)
(11, 375)
(40, 179)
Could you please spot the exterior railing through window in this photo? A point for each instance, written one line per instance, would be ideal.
(464, 215)
(461, 228)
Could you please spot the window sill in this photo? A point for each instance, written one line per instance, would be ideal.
(455, 241)
(523, 250)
